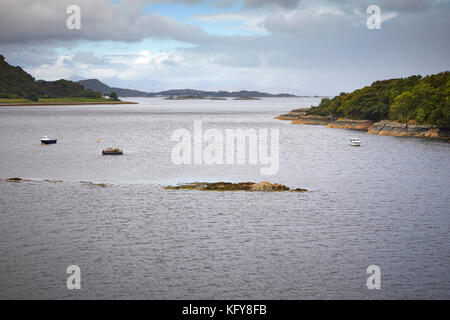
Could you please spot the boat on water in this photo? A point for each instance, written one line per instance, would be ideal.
(355, 142)
(47, 140)
(112, 151)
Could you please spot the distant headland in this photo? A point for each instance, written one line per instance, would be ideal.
(415, 106)
(18, 88)
(179, 94)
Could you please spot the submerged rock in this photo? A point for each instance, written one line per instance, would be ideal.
(298, 190)
(53, 181)
(229, 186)
(92, 184)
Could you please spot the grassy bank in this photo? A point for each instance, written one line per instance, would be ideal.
(63, 101)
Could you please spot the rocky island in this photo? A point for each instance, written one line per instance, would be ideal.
(193, 97)
(246, 98)
(239, 186)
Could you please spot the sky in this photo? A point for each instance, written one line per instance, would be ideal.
(304, 47)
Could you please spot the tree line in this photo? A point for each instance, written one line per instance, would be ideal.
(423, 100)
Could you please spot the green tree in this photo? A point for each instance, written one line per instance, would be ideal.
(113, 96)
(401, 107)
(92, 94)
(421, 115)
(32, 96)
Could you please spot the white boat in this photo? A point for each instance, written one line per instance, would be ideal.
(47, 140)
(355, 142)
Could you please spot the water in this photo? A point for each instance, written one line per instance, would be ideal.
(386, 203)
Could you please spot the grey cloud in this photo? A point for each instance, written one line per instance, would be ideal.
(29, 20)
(409, 6)
(304, 23)
(87, 57)
(23, 55)
(169, 62)
(400, 6)
(242, 58)
(281, 3)
(289, 4)
(335, 43)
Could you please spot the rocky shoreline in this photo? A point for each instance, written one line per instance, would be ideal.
(350, 124)
(382, 128)
(393, 128)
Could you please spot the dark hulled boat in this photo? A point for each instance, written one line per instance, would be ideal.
(47, 140)
(112, 151)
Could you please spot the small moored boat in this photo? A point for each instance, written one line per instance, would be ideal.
(355, 142)
(112, 151)
(47, 140)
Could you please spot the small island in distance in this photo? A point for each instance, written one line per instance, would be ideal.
(198, 97)
(181, 94)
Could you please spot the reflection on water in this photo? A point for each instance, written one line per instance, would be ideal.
(385, 203)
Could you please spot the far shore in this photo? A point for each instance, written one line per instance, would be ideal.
(62, 103)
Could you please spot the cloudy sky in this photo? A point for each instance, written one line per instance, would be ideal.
(298, 46)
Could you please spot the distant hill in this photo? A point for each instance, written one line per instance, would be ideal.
(97, 85)
(225, 94)
(16, 83)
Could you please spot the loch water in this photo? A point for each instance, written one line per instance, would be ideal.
(385, 203)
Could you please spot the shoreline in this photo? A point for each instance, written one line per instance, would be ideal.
(382, 128)
(17, 104)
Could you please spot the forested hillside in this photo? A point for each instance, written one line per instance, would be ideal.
(16, 83)
(415, 98)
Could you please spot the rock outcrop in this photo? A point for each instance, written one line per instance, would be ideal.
(229, 186)
(294, 114)
(382, 128)
(394, 128)
(313, 119)
(344, 123)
